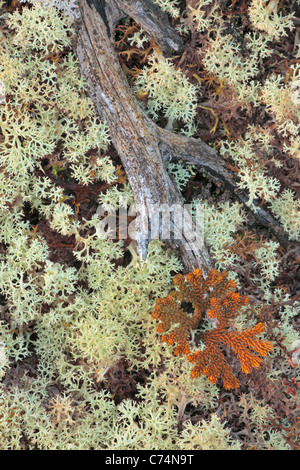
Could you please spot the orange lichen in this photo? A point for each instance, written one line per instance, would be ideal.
(215, 297)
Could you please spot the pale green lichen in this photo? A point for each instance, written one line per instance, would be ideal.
(78, 324)
(208, 436)
(169, 91)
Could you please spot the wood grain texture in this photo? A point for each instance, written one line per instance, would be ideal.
(133, 134)
(143, 147)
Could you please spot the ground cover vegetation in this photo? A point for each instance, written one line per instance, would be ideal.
(99, 350)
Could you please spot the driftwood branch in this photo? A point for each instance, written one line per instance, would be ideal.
(134, 135)
(194, 152)
(143, 147)
(147, 14)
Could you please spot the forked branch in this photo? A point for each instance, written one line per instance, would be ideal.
(143, 147)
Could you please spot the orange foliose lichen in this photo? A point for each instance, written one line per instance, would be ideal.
(182, 310)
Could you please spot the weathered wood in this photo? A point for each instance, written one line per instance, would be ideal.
(194, 152)
(143, 147)
(147, 14)
(133, 134)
